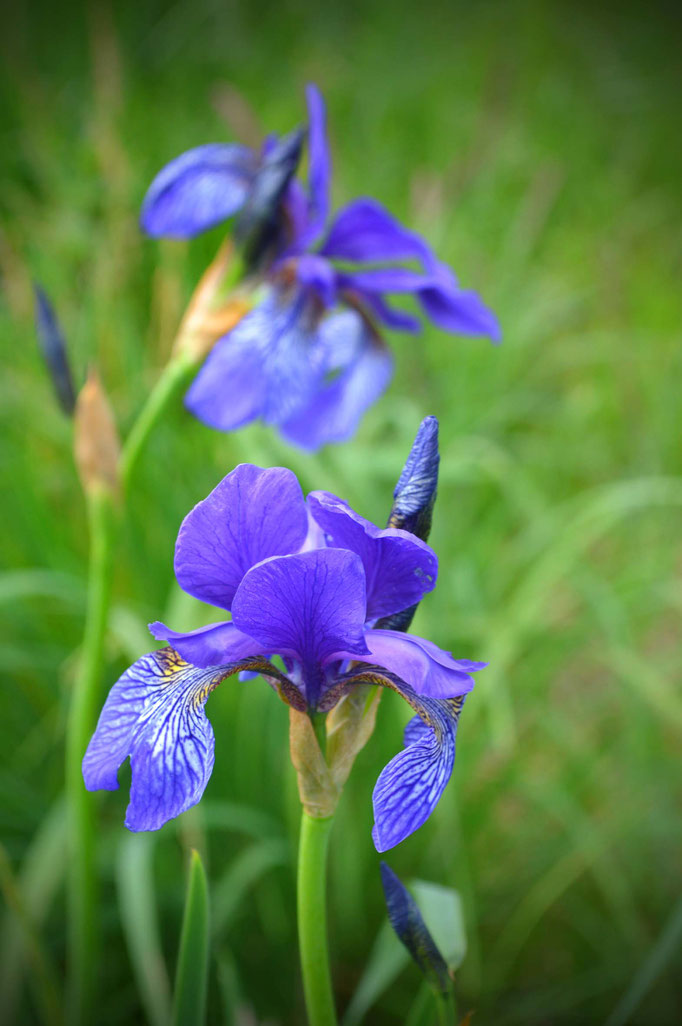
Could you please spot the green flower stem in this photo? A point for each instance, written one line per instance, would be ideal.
(80, 725)
(175, 376)
(312, 920)
(445, 1006)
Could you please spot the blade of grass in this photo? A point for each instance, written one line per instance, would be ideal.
(191, 978)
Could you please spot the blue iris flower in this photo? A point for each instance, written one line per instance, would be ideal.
(308, 358)
(311, 582)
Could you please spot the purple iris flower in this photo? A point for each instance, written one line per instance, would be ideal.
(308, 358)
(307, 581)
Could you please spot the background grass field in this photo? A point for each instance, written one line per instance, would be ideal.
(535, 145)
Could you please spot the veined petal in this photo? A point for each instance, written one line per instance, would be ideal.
(320, 161)
(198, 190)
(410, 786)
(155, 714)
(424, 666)
(214, 645)
(365, 232)
(307, 606)
(337, 407)
(252, 514)
(399, 568)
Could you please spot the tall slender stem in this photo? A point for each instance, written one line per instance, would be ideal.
(174, 377)
(312, 920)
(80, 724)
(445, 1006)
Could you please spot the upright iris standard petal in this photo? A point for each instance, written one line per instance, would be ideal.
(252, 514)
(320, 162)
(307, 607)
(361, 376)
(399, 568)
(427, 668)
(198, 190)
(365, 232)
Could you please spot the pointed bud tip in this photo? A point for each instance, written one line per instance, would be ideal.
(408, 923)
(415, 492)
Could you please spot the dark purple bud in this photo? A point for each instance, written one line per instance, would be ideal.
(413, 500)
(406, 919)
(53, 347)
(261, 223)
(415, 493)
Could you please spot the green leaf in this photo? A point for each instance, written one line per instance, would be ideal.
(441, 908)
(135, 878)
(191, 979)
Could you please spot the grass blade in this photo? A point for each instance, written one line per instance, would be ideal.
(191, 979)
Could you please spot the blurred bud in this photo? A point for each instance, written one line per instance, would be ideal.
(209, 315)
(415, 493)
(96, 444)
(413, 501)
(261, 222)
(53, 347)
(407, 921)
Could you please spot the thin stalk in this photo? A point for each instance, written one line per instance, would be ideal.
(175, 376)
(445, 1007)
(80, 725)
(312, 920)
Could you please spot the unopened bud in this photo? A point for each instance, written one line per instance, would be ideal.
(53, 347)
(96, 444)
(261, 222)
(211, 313)
(415, 493)
(413, 501)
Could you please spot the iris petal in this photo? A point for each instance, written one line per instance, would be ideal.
(427, 668)
(308, 606)
(399, 568)
(154, 713)
(198, 190)
(213, 645)
(365, 369)
(250, 515)
(365, 232)
(320, 161)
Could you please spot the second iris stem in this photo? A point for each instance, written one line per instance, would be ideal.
(312, 919)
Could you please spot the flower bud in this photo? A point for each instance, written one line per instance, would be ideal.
(407, 921)
(413, 501)
(96, 444)
(415, 493)
(261, 221)
(53, 347)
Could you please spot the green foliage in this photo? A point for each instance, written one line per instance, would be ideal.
(533, 145)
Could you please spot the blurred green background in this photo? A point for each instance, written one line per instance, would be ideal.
(535, 145)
